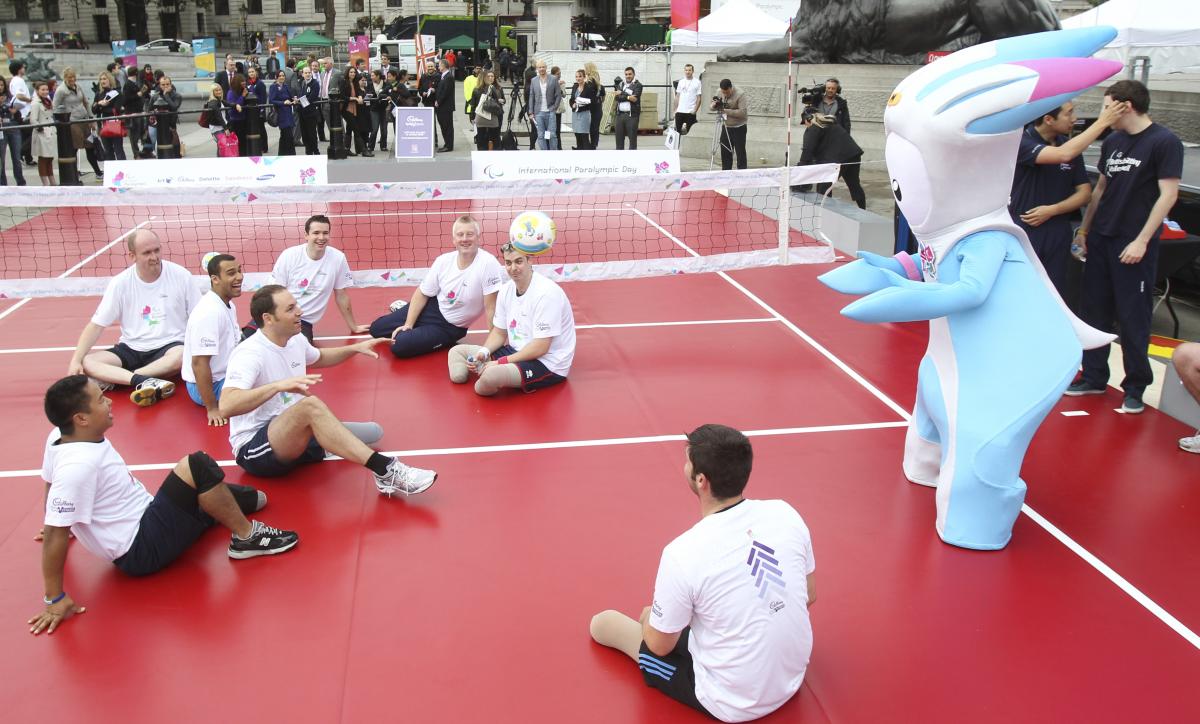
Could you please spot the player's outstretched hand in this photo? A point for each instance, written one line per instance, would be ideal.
(299, 384)
(367, 346)
(54, 615)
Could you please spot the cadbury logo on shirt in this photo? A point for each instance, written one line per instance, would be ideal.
(59, 505)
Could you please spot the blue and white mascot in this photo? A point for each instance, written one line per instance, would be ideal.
(1002, 344)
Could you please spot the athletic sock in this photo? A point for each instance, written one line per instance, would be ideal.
(138, 379)
(378, 463)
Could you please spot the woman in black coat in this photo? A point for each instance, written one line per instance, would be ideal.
(109, 101)
(825, 141)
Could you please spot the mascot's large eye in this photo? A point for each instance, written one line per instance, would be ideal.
(896, 190)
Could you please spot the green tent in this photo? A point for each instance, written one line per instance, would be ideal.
(464, 42)
(311, 39)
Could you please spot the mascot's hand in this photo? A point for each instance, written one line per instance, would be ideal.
(860, 277)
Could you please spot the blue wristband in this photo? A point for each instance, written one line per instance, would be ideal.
(56, 599)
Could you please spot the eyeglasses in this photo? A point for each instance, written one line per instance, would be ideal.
(507, 247)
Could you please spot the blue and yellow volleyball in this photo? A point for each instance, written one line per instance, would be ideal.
(532, 232)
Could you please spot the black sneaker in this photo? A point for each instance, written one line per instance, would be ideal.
(263, 541)
(1081, 388)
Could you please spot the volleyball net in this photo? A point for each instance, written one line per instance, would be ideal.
(68, 241)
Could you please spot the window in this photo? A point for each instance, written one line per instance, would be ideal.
(356, 6)
(221, 7)
(101, 4)
(200, 24)
(393, 3)
(103, 34)
(287, 6)
(254, 7)
(318, 6)
(50, 10)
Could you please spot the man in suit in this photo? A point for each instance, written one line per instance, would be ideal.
(444, 106)
(544, 95)
(224, 75)
(332, 80)
(628, 108)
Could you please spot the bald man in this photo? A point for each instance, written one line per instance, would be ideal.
(151, 300)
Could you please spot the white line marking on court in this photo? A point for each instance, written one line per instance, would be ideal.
(623, 325)
(1075, 413)
(516, 447)
(788, 323)
(1159, 612)
(1089, 558)
(77, 267)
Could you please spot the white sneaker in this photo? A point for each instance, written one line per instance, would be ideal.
(104, 386)
(401, 478)
(1190, 444)
(397, 305)
(151, 391)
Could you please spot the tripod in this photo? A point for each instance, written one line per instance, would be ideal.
(720, 139)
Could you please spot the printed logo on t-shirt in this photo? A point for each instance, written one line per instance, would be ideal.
(304, 290)
(451, 298)
(60, 505)
(208, 342)
(1120, 163)
(287, 399)
(152, 316)
(764, 569)
(514, 337)
(543, 327)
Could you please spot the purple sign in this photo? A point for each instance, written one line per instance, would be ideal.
(414, 132)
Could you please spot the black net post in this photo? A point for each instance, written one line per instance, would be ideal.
(256, 142)
(337, 132)
(67, 158)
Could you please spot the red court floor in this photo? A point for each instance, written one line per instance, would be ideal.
(471, 602)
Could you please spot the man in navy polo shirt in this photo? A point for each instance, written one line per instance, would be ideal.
(1140, 167)
(1050, 183)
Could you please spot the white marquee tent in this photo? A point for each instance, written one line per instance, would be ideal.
(1168, 31)
(734, 23)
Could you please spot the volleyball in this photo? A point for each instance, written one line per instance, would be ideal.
(205, 260)
(532, 232)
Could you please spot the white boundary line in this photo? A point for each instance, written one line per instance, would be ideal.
(517, 447)
(625, 325)
(78, 266)
(1088, 557)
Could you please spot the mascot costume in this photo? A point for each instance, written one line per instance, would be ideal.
(1002, 344)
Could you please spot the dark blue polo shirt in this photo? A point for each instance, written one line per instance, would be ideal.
(1035, 185)
(1133, 166)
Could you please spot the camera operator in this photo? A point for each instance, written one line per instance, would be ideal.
(832, 104)
(731, 104)
(629, 110)
(165, 103)
(825, 141)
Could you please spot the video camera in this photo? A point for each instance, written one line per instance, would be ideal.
(718, 102)
(811, 95)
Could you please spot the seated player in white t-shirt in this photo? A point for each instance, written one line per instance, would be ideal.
(212, 333)
(728, 632)
(313, 272)
(151, 300)
(276, 424)
(93, 494)
(532, 341)
(464, 282)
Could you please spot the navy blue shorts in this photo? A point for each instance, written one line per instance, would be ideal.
(534, 374)
(672, 674)
(132, 359)
(257, 458)
(169, 526)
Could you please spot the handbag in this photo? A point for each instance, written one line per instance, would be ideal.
(203, 120)
(112, 128)
(672, 139)
(491, 105)
(227, 144)
(483, 112)
(272, 116)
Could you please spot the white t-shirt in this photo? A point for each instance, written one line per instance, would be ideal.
(542, 311)
(93, 493)
(687, 91)
(151, 315)
(256, 362)
(17, 86)
(460, 292)
(212, 331)
(312, 281)
(739, 579)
